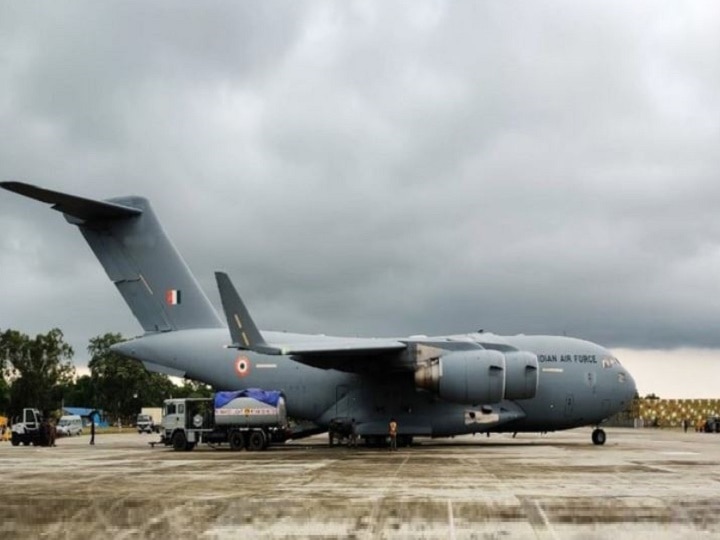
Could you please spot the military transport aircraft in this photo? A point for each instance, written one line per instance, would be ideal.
(432, 386)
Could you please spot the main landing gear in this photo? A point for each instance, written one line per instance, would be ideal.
(598, 436)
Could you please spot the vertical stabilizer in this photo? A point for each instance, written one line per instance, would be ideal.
(138, 257)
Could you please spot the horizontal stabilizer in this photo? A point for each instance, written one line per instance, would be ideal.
(78, 207)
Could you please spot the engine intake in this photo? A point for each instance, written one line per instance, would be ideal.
(474, 377)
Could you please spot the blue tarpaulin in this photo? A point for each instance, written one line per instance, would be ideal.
(269, 397)
(85, 412)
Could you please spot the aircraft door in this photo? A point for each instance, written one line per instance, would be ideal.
(569, 402)
(342, 405)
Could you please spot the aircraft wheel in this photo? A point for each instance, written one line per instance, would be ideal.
(331, 439)
(179, 441)
(598, 437)
(256, 441)
(237, 441)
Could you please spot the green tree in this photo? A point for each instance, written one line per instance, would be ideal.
(123, 386)
(156, 389)
(192, 389)
(80, 393)
(4, 394)
(39, 369)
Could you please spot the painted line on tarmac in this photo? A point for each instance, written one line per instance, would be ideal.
(451, 520)
(383, 495)
(545, 520)
(660, 469)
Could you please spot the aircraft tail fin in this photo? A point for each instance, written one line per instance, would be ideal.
(138, 257)
(244, 333)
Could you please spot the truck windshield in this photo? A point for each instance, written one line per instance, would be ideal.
(143, 418)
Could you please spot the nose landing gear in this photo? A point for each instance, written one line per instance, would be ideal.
(598, 436)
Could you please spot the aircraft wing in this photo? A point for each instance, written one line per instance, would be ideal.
(324, 352)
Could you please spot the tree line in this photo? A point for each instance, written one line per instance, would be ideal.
(38, 372)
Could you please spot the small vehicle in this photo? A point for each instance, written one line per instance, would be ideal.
(69, 425)
(145, 423)
(156, 415)
(712, 424)
(26, 429)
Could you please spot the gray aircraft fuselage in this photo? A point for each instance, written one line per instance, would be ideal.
(433, 386)
(574, 387)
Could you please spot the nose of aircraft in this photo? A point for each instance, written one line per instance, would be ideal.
(631, 389)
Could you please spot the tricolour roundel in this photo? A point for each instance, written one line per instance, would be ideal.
(242, 366)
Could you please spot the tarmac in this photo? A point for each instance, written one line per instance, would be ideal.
(643, 483)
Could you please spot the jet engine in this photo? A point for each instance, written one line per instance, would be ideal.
(475, 376)
(521, 375)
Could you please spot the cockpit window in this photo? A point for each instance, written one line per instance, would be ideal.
(610, 361)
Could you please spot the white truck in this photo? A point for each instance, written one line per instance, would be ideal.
(149, 420)
(250, 419)
(27, 429)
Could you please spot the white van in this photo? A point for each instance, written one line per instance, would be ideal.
(70, 425)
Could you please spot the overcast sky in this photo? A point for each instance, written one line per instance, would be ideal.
(380, 168)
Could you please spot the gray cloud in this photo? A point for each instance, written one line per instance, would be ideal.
(377, 169)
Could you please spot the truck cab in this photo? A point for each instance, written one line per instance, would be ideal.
(184, 421)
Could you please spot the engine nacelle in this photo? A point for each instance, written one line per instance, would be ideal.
(474, 377)
(521, 375)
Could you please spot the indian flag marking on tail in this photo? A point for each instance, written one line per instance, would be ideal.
(172, 297)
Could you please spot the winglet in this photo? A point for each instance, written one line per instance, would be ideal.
(78, 207)
(243, 331)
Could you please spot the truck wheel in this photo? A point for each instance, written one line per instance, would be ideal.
(15, 441)
(179, 441)
(237, 441)
(256, 441)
